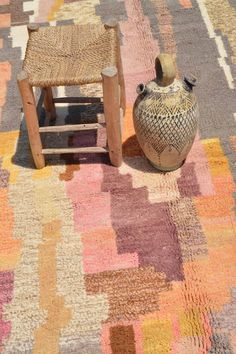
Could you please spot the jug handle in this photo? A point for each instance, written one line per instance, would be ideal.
(165, 69)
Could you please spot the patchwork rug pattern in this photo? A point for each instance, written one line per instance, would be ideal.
(95, 259)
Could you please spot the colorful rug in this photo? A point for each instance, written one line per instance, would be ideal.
(95, 259)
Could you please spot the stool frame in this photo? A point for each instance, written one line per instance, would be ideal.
(114, 103)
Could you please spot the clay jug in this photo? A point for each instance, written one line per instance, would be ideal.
(165, 116)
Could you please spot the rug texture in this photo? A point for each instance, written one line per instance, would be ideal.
(95, 259)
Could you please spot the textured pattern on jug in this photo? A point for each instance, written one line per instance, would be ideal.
(165, 120)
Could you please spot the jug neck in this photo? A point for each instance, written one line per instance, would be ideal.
(165, 69)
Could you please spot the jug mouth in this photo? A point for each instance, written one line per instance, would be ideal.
(141, 88)
(190, 82)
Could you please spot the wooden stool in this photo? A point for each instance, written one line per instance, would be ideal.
(73, 55)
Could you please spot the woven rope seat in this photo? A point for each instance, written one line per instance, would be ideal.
(69, 55)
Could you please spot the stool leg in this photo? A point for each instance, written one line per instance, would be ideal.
(32, 27)
(49, 104)
(121, 77)
(122, 85)
(31, 117)
(113, 23)
(112, 114)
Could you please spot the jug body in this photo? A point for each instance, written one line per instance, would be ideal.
(165, 117)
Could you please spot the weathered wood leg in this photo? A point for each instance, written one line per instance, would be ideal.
(32, 27)
(122, 86)
(114, 24)
(31, 117)
(49, 104)
(112, 114)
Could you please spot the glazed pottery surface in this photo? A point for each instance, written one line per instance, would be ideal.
(166, 116)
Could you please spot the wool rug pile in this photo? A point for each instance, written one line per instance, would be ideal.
(95, 259)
